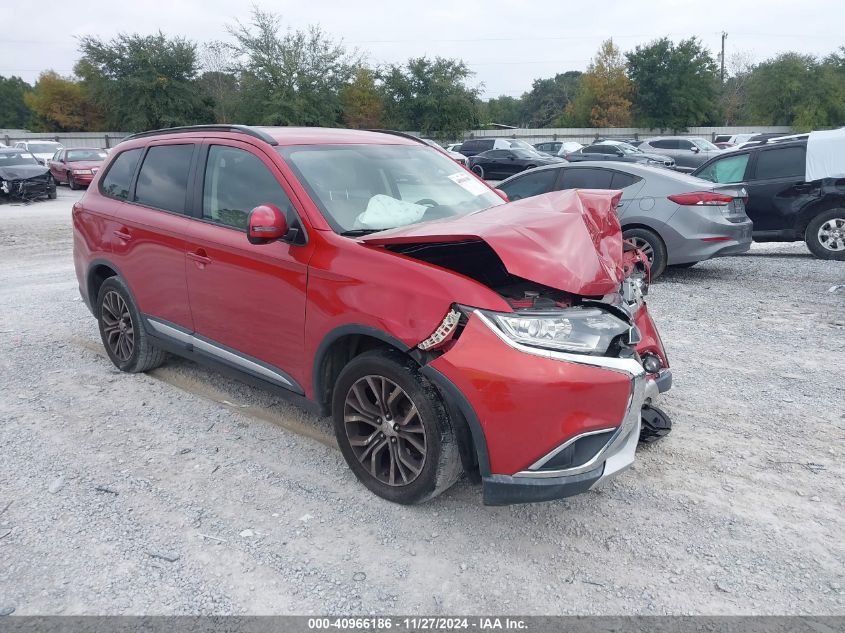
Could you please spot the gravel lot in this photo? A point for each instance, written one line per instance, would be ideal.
(184, 492)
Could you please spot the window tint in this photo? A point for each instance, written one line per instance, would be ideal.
(599, 149)
(497, 153)
(726, 170)
(485, 145)
(664, 143)
(579, 178)
(163, 179)
(532, 184)
(684, 144)
(119, 176)
(235, 183)
(780, 163)
(620, 180)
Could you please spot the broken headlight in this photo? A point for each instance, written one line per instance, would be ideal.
(580, 329)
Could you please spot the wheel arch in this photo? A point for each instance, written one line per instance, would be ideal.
(812, 211)
(98, 271)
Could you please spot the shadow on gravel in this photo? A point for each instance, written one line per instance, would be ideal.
(696, 274)
(773, 255)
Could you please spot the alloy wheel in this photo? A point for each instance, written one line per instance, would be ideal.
(644, 246)
(832, 234)
(385, 430)
(117, 326)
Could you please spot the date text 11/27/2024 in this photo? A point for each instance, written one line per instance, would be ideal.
(417, 624)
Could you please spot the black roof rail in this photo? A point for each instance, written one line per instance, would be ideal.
(402, 134)
(240, 129)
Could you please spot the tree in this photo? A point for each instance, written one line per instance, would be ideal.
(675, 85)
(429, 96)
(61, 105)
(14, 112)
(361, 101)
(293, 78)
(604, 97)
(504, 110)
(219, 80)
(734, 97)
(144, 82)
(797, 90)
(548, 98)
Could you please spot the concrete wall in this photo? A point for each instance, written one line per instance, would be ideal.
(586, 135)
(68, 139)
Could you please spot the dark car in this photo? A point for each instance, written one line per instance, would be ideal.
(23, 177)
(620, 152)
(369, 277)
(503, 163)
(782, 205)
(474, 146)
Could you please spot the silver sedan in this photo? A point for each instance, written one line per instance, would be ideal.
(675, 219)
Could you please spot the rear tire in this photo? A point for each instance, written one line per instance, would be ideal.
(127, 344)
(392, 426)
(825, 235)
(650, 243)
(478, 170)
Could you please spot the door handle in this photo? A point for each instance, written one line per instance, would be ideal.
(200, 257)
(122, 235)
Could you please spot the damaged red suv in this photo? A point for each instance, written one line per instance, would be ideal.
(370, 277)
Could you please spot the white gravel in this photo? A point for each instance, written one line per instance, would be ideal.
(183, 492)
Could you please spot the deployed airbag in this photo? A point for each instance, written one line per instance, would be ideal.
(384, 212)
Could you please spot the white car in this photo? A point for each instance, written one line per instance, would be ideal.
(455, 156)
(42, 150)
(558, 148)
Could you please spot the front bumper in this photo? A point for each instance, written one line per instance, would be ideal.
(534, 407)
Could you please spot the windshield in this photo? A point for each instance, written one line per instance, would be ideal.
(43, 148)
(368, 188)
(707, 146)
(19, 157)
(75, 155)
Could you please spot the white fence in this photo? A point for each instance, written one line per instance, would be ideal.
(582, 135)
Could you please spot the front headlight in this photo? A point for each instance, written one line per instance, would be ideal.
(585, 330)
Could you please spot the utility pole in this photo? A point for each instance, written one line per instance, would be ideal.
(724, 36)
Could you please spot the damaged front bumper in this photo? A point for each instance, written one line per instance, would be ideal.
(586, 411)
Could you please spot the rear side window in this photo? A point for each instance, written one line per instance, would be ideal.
(726, 170)
(163, 179)
(683, 144)
(118, 178)
(781, 163)
(532, 184)
(578, 178)
(664, 143)
(620, 180)
(497, 153)
(235, 183)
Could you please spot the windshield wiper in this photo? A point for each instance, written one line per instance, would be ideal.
(354, 232)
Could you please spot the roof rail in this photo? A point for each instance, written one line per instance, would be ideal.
(240, 129)
(402, 134)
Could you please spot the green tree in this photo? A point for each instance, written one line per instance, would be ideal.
(548, 98)
(144, 82)
(504, 110)
(290, 78)
(14, 112)
(675, 85)
(361, 101)
(219, 80)
(797, 90)
(429, 96)
(61, 105)
(604, 97)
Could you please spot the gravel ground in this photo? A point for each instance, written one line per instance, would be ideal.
(183, 492)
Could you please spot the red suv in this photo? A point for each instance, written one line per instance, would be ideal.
(372, 278)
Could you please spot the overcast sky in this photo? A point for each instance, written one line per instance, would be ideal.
(506, 43)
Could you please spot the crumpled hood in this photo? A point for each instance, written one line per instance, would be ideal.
(569, 240)
(22, 172)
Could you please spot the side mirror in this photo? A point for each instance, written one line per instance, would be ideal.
(619, 152)
(502, 195)
(265, 224)
(695, 149)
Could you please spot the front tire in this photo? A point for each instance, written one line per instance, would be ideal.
(127, 344)
(393, 428)
(650, 243)
(478, 170)
(825, 235)
(71, 182)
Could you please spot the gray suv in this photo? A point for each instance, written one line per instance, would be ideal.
(689, 152)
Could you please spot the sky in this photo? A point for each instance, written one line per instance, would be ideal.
(507, 44)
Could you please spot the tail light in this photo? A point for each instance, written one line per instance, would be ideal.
(701, 198)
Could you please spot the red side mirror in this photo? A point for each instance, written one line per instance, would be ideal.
(502, 195)
(266, 223)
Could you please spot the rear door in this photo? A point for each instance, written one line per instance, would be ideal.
(56, 167)
(247, 300)
(776, 190)
(148, 243)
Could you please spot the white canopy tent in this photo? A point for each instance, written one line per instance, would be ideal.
(826, 155)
